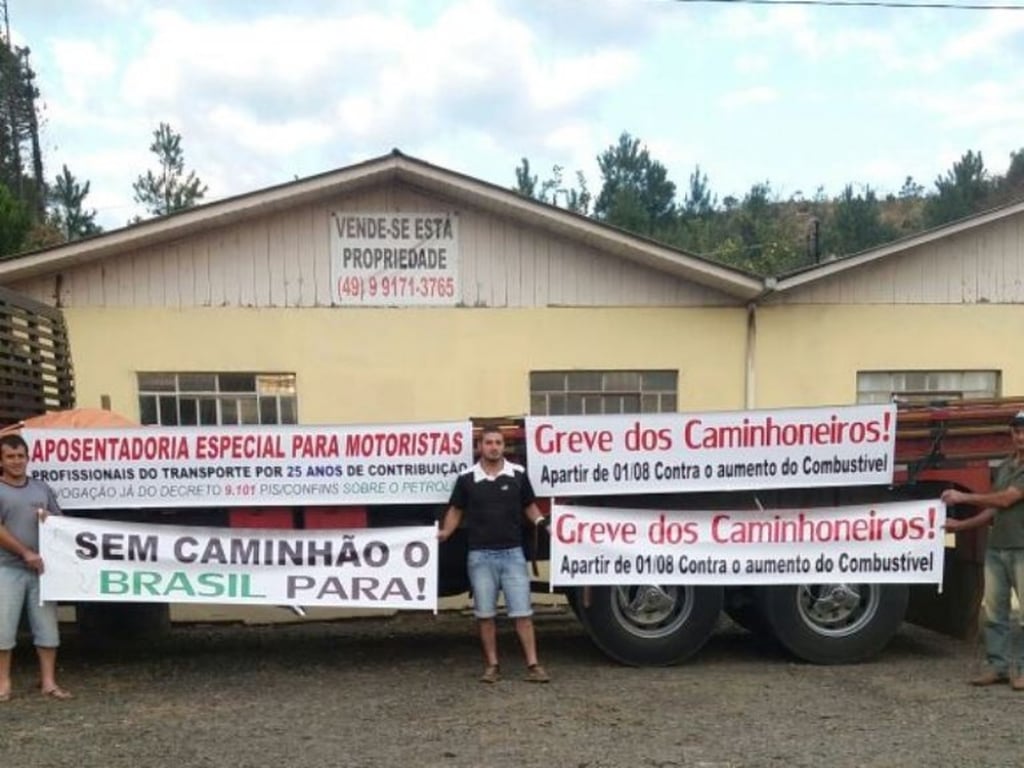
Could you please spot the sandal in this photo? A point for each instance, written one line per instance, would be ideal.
(5, 696)
(491, 674)
(57, 693)
(535, 673)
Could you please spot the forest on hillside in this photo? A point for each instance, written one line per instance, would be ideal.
(763, 232)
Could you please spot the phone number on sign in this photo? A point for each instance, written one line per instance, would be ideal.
(396, 287)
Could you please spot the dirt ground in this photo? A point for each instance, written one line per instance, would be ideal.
(402, 691)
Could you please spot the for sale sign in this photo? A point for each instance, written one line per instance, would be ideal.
(394, 259)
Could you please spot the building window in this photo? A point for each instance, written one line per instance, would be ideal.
(189, 399)
(555, 393)
(925, 386)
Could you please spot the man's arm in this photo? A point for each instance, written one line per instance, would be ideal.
(975, 521)
(450, 523)
(11, 544)
(996, 499)
(534, 515)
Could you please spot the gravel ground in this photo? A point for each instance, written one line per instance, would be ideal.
(402, 691)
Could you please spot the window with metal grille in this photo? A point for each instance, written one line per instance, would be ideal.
(555, 393)
(187, 399)
(926, 386)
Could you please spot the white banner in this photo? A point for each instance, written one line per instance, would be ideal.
(394, 259)
(724, 450)
(250, 466)
(103, 560)
(889, 543)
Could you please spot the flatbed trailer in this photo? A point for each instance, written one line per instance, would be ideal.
(937, 446)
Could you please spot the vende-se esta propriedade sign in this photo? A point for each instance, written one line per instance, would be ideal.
(715, 451)
(394, 259)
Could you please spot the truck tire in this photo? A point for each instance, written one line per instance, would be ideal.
(650, 625)
(834, 623)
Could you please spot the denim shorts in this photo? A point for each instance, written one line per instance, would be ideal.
(19, 588)
(491, 570)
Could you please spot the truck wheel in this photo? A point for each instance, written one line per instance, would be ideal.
(834, 623)
(650, 624)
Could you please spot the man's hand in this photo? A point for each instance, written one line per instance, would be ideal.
(543, 522)
(42, 513)
(952, 525)
(33, 560)
(952, 497)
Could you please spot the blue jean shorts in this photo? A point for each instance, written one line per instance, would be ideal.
(491, 570)
(19, 588)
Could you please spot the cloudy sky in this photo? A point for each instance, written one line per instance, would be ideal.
(800, 96)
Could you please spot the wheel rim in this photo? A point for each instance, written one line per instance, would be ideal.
(837, 610)
(650, 610)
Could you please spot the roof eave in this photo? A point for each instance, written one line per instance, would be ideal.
(827, 269)
(733, 282)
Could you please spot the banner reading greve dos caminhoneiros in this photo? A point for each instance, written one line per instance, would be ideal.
(724, 450)
(901, 542)
(250, 466)
(107, 561)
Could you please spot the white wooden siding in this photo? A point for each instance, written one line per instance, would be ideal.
(283, 260)
(980, 266)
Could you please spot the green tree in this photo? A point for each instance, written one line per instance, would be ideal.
(21, 160)
(636, 193)
(66, 212)
(15, 222)
(170, 189)
(576, 199)
(699, 201)
(856, 223)
(962, 191)
(1010, 186)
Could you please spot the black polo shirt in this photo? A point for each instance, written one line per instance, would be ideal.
(492, 507)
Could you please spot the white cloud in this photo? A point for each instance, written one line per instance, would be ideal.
(748, 63)
(762, 94)
(986, 39)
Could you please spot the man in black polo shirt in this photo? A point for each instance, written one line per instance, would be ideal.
(492, 497)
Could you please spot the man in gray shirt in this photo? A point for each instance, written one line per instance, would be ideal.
(24, 504)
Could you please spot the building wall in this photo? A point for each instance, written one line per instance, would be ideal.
(810, 355)
(384, 365)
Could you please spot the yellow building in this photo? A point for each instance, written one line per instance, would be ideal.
(395, 290)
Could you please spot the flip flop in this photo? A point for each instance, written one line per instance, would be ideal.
(5, 696)
(57, 693)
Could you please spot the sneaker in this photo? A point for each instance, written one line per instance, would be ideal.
(491, 674)
(989, 677)
(536, 674)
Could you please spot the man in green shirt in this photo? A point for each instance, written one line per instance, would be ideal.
(1003, 508)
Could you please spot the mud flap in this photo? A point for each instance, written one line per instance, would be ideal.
(954, 612)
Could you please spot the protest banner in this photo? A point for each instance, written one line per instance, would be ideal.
(107, 561)
(250, 466)
(901, 542)
(727, 450)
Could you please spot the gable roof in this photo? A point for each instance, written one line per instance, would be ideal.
(388, 168)
(814, 272)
